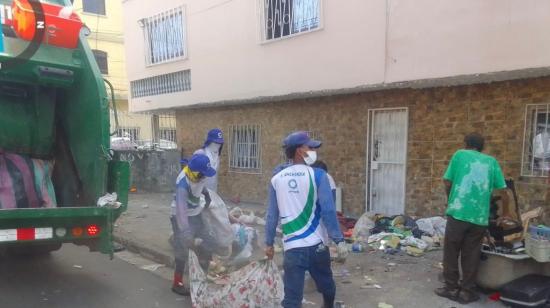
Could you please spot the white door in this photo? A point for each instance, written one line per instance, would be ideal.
(387, 160)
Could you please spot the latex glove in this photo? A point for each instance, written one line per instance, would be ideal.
(269, 252)
(197, 242)
(342, 251)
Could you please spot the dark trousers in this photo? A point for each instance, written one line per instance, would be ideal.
(181, 251)
(461, 239)
(316, 260)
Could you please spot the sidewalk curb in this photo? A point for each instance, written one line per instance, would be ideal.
(144, 251)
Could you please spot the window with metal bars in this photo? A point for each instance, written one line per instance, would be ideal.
(101, 59)
(167, 134)
(161, 84)
(244, 151)
(283, 18)
(129, 132)
(164, 36)
(536, 142)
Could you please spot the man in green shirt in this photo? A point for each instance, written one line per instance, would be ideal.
(469, 181)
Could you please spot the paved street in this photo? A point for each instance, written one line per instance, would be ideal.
(73, 277)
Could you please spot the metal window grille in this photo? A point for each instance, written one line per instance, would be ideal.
(130, 132)
(536, 141)
(140, 128)
(316, 135)
(167, 134)
(245, 147)
(162, 84)
(281, 18)
(164, 36)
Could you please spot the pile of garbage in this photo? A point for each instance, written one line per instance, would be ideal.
(397, 233)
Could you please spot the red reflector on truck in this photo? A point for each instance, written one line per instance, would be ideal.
(25, 234)
(93, 230)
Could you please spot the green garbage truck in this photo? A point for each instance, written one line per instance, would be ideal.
(59, 181)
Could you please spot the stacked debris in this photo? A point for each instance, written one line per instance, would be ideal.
(397, 233)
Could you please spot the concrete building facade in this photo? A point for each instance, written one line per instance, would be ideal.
(390, 87)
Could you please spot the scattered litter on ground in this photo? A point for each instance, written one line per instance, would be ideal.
(341, 273)
(145, 206)
(371, 286)
(414, 251)
(339, 304)
(384, 305)
(77, 266)
(151, 267)
(306, 302)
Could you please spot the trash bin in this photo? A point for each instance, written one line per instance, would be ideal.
(61, 25)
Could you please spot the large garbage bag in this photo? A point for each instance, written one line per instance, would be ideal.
(216, 218)
(25, 182)
(433, 226)
(258, 284)
(361, 231)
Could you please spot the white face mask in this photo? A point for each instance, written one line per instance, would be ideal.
(311, 158)
(214, 147)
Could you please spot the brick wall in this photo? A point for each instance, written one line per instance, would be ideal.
(438, 120)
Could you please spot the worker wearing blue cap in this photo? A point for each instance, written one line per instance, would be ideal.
(212, 148)
(187, 224)
(300, 196)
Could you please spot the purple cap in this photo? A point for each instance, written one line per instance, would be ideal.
(201, 163)
(300, 138)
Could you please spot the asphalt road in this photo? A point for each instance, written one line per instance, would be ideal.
(74, 277)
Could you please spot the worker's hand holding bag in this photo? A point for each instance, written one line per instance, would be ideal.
(343, 251)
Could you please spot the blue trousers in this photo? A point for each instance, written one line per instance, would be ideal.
(314, 259)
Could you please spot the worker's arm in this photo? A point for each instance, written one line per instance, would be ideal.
(272, 217)
(207, 198)
(328, 209)
(450, 173)
(448, 184)
(181, 213)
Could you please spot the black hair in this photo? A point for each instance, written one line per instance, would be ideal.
(320, 164)
(290, 151)
(474, 141)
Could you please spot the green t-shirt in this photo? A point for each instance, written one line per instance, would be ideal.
(474, 176)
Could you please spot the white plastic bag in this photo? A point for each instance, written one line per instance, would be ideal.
(433, 226)
(245, 254)
(258, 284)
(216, 218)
(415, 242)
(361, 231)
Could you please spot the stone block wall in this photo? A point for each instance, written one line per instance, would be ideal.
(438, 120)
(152, 170)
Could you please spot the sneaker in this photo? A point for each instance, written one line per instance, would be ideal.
(181, 290)
(465, 297)
(447, 293)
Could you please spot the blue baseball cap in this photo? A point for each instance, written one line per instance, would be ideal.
(300, 138)
(201, 163)
(214, 135)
